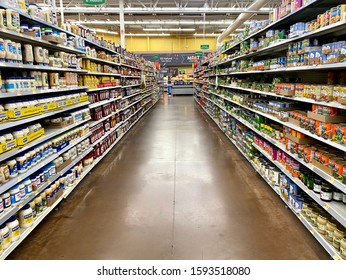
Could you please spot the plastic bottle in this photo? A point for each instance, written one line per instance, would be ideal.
(37, 30)
(26, 218)
(45, 83)
(11, 20)
(13, 226)
(28, 186)
(22, 190)
(21, 164)
(8, 50)
(39, 55)
(38, 205)
(28, 56)
(5, 234)
(12, 168)
(2, 49)
(3, 22)
(19, 53)
(6, 197)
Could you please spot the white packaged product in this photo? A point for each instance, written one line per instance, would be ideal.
(1, 205)
(8, 49)
(15, 195)
(3, 19)
(13, 226)
(2, 48)
(11, 20)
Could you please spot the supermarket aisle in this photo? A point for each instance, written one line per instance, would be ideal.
(175, 188)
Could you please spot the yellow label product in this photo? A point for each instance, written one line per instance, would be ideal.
(27, 139)
(25, 112)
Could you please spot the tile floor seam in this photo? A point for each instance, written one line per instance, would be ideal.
(174, 185)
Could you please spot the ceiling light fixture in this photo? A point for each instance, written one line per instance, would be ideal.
(206, 35)
(147, 35)
(170, 29)
(104, 31)
(152, 22)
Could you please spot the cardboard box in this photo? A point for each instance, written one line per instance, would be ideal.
(25, 112)
(326, 119)
(61, 167)
(60, 125)
(50, 106)
(324, 168)
(3, 116)
(342, 100)
(52, 200)
(83, 99)
(294, 121)
(53, 39)
(287, 92)
(306, 140)
(9, 145)
(25, 140)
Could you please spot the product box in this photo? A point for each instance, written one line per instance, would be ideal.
(326, 119)
(302, 141)
(27, 139)
(322, 167)
(50, 107)
(52, 200)
(60, 125)
(294, 121)
(53, 39)
(61, 167)
(9, 145)
(287, 92)
(25, 112)
(83, 99)
(342, 100)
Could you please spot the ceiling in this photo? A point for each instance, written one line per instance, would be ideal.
(175, 17)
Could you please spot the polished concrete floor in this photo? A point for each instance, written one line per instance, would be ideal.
(174, 188)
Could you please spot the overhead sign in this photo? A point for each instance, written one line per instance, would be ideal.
(204, 47)
(199, 53)
(94, 2)
(172, 59)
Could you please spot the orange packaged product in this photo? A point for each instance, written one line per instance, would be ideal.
(314, 108)
(301, 150)
(317, 128)
(326, 130)
(309, 153)
(325, 159)
(338, 169)
(294, 133)
(300, 135)
(318, 156)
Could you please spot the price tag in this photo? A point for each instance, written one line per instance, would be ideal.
(299, 216)
(336, 257)
(326, 206)
(332, 180)
(19, 179)
(312, 231)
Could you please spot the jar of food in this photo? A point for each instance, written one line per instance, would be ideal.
(22, 190)
(12, 168)
(15, 195)
(28, 186)
(337, 195)
(5, 234)
(2, 49)
(344, 198)
(26, 217)
(314, 216)
(317, 185)
(14, 229)
(38, 205)
(330, 228)
(326, 193)
(21, 164)
(337, 236)
(343, 248)
(32, 206)
(321, 224)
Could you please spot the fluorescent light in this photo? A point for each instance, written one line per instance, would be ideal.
(169, 29)
(147, 35)
(206, 35)
(104, 31)
(149, 22)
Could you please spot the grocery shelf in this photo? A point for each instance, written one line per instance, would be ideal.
(300, 99)
(307, 12)
(97, 46)
(336, 209)
(10, 124)
(93, 123)
(38, 92)
(133, 103)
(21, 66)
(336, 28)
(132, 115)
(101, 61)
(288, 124)
(22, 176)
(49, 133)
(129, 96)
(133, 77)
(107, 133)
(102, 74)
(103, 88)
(15, 208)
(25, 232)
(36, 41)
(135, 85)
(103, 102)
(130, 66)
(327, 246)
(37, 20)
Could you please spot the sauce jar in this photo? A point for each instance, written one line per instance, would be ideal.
(314, 216)
(326, 193)
(343, 248)
(337, 195)
(317, 185)
(321, 224)
(337, 236)
(330, 228)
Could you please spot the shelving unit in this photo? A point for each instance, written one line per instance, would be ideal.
(227, 91)
(121, 128)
